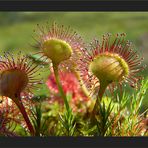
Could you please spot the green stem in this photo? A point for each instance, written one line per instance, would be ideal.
(21, 107)
(55, 68)
(102, 89)
(84, 89)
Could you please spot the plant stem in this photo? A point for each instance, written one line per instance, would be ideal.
(84, 89)
(102, 89)
(55, 68)
(23, 111)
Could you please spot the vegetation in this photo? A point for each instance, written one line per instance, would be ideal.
(51, 79)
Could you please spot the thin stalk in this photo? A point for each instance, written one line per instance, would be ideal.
(84, 89)
(55, 68)
(23, 111)
(102, 89)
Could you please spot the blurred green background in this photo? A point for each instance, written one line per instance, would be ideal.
(16, 29)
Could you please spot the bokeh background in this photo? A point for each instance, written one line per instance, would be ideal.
(16, 30)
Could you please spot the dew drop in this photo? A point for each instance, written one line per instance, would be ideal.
(145, 66)
(23, 97)
(124, 85)
(38, 89)
(38, 97)
(42, 66)
(142, 58)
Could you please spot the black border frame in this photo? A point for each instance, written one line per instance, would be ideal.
(74, 142)
(71, 5)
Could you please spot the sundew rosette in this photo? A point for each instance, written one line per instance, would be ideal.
(59, 44)
(110, 63)
(18, 75)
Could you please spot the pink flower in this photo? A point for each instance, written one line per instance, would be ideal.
(70, 85)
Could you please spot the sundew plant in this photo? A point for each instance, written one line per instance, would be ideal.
(87, 83)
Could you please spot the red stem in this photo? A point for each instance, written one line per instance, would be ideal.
(23, 111)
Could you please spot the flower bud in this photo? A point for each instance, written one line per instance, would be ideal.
(57, 50)
(109, 68)
(12, 82)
